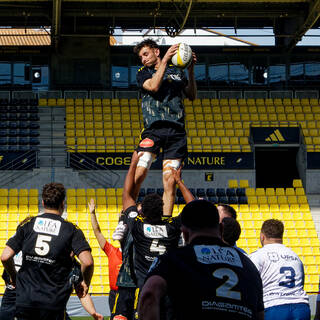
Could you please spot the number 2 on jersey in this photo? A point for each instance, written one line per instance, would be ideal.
(42, 246)
(290, 277)
(225, 290)
(156, 247)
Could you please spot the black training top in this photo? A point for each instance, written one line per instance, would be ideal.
(46, 242)
(150, 240)
(208, 279)
(165, 104)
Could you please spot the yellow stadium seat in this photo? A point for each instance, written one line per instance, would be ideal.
(243, 208)
(264, 207)
(302, 199)
(13, 208)
(33, 201)
(4, 200)
(33, 209)
(244, 184)
(292, 199)
(280, 192)
(262, 199)
(250, 192)
(23, 200)
(42, 102)
(13, 192)
(3, 192)
(3, 210)
(294, 207)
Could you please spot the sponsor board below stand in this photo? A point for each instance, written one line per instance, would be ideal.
(18, 160)
(195, 161)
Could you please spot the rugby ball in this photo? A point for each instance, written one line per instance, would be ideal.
(183, 57)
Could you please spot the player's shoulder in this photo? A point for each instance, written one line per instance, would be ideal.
(26, 221)
(131, 212)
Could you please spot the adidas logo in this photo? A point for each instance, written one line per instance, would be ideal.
(276, 136)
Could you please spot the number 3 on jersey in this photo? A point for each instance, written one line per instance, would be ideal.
(289, 277)
(42, 245)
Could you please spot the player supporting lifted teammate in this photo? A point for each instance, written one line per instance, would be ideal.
(162, 85)
(152, 232)
(206, 279)
(47, 242)
(282, 275)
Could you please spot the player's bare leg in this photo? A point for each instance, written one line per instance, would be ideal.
(143, 167)
(141, 174)
(169, 185)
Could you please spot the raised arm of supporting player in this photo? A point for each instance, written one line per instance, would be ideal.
(187, 195)
(128, 198)
(95, 225)
(191, 89)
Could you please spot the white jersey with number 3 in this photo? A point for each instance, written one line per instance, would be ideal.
(282, 275)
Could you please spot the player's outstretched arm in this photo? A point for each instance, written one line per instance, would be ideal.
(8, 263)
(88, 305)
(187, 195)
(191, 89)
(149, 303)
(153, 84)
(128, 198)
(95, 225)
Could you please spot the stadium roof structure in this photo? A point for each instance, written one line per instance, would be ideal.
(290, 19)
(24, 37)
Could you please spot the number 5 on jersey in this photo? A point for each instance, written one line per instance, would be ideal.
(42, 245)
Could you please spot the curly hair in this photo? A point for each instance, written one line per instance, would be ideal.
(273, 228)
(152, 207)
(145, 43)
(53, 194)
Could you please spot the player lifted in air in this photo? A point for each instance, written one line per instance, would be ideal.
(162, 85)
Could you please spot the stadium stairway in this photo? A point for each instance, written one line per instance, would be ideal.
(52, 146)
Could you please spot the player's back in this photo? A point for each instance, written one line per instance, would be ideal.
(46, 242)
(152, 240)
(282, 275)
(208, 279)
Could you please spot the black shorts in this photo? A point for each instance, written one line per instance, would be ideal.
(171, 137)
(39, 314)
(124, 303)
(8, 305)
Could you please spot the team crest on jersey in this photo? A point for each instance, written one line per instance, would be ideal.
(48, 226)
(217, 254)
(132, 214)
(155, 231)
(273, 256)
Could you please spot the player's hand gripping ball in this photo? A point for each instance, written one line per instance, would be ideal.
(183, 57)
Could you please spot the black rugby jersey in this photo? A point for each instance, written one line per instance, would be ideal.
(165, 104)
(208, 279)
(46, 242)
(150, 240)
